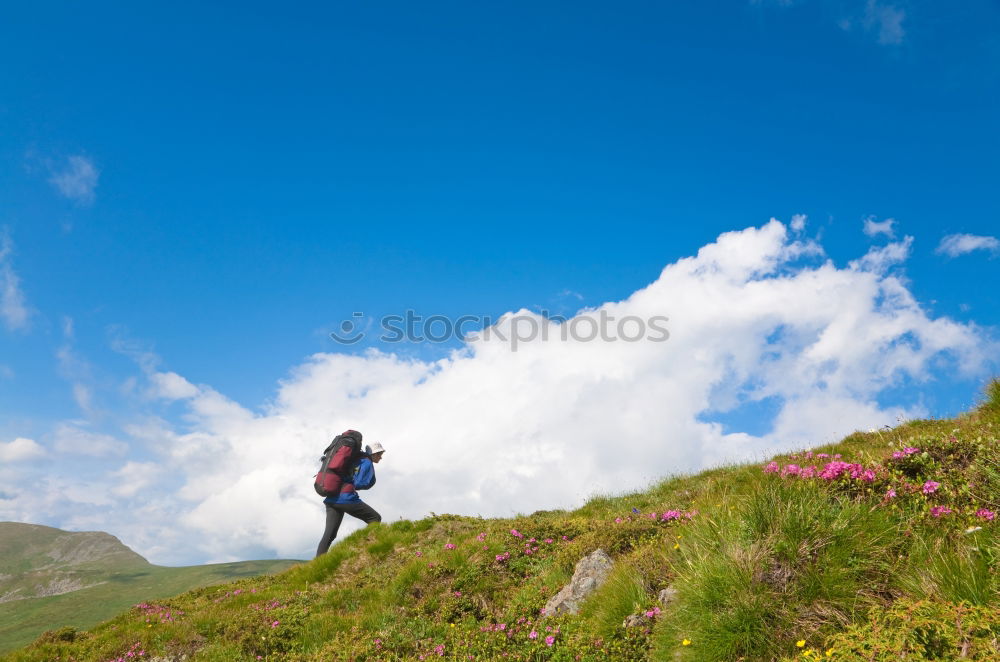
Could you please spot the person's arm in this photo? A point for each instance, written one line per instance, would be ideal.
(364, 477)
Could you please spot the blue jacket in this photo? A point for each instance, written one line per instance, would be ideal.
(362, 478)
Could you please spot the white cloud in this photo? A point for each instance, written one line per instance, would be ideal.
(954, 245)
(878, 259)
(20, 449)
(754, 315)
(798, 223)
(75, 369)
(135, 476)
(13, 307)
(77, 179)
(874, 228)
(171, 386)
(886, 21)
(490, 431)
(73, 439)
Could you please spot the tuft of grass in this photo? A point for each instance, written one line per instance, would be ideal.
(785, 563)
(623, 594)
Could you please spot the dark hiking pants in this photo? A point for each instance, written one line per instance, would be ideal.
(335, 515)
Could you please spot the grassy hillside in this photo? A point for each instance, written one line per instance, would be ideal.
(880, 547)
(50, 577)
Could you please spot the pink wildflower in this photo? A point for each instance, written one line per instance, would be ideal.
(516, 533)
(938, 511)
(549, 640)
(533, 635)
(890, 494)
(449, 545)
(671, 515)
(930, 487)
(771, 468)
(985, 514)
(548, 541)
(790, 470)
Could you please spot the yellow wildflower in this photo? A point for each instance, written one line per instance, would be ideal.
(686, 642)
(800, 643)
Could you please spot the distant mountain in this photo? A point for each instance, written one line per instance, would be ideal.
(40, 561)
(51, 578)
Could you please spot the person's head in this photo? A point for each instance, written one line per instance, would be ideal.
(376, 451)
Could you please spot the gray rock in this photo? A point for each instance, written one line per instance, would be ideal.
(635, 620)
(667, 596)
(591, 571)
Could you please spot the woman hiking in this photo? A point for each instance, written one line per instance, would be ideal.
(348, 501)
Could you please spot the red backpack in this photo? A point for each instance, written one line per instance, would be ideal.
(337, 463)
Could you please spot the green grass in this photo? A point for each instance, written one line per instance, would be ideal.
(21, 621)
(763, 564)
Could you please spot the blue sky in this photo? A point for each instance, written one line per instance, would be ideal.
(207, 189)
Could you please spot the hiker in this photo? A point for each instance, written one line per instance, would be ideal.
(362, 478)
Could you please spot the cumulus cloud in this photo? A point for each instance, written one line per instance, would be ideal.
(874, 228)
(20, 449)
(798, 223)
(13, 306)
(76, 179)
(757, 315)
(954, 245)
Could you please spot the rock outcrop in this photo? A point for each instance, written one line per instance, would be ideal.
(591, 571)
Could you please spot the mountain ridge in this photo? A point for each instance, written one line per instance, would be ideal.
(41, 561)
